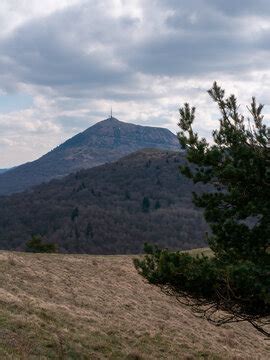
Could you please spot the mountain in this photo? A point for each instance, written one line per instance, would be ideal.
(110, 209)
(2, 171)
(99, 308)
(104, 142)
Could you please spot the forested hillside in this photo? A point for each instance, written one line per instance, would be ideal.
(110, 209)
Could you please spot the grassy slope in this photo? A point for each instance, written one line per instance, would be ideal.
(98, 307)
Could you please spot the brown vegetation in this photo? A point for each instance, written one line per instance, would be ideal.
(98, 307)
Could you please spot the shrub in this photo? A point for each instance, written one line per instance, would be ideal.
(36, 245)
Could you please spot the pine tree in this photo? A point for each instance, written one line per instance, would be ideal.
(74, 214)
(145, 204)
(157, 205)
(237, 167)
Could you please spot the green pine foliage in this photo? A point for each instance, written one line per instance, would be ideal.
(145, 204)
(237, 167)
(74, 214)
(36, 245)
(157, 205)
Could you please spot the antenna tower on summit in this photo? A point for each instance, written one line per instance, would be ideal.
(111, 112)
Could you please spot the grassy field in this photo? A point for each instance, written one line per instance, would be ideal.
(98, 307)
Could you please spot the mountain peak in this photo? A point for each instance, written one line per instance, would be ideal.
(104, 142)
(112, 119)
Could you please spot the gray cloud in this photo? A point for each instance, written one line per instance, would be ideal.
(44, 52)
(230, 8)
(202, 38)
(84, 47)
(238, 7)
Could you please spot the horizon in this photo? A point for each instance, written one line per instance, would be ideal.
(56, 80)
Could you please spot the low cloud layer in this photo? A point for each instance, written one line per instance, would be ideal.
(74, 60)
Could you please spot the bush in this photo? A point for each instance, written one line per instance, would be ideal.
(36, 245)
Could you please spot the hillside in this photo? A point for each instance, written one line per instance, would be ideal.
(101, 211)
(2, 171)
(98, 307)
(104, 142)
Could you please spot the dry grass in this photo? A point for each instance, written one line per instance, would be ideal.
(201, 251)
(98, 307)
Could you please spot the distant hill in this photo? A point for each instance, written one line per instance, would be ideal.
(104, 142)
(99, 308)
(111, 209)
(2, 171)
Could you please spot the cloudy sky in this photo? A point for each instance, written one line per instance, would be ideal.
(64, 63)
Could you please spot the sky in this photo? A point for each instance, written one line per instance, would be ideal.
(65, 63)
